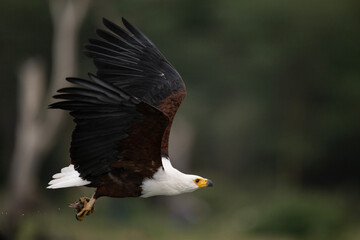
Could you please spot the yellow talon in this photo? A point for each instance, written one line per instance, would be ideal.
(83, 207)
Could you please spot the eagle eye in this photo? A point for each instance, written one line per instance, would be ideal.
(197, 180)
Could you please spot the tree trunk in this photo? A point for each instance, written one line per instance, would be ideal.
(36, 126)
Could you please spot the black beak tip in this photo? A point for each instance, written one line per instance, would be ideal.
(209, 183)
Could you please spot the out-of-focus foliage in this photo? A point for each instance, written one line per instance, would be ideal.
(25, 32)
(273, 97)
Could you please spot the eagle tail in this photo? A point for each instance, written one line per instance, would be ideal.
(68, 177)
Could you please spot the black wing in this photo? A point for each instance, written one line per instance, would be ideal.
(130, 61)
(109, 123)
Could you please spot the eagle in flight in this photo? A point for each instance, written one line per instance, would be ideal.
(123, 116)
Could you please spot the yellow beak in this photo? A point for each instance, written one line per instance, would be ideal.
(204, 182)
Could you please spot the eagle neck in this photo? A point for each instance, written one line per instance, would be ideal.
(167, 181)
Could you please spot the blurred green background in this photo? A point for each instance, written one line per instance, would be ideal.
(271, 116)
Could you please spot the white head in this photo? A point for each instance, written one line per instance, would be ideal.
(195, 182)
(183, 182)
(170, 181)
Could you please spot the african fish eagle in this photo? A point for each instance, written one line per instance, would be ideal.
(123, 116)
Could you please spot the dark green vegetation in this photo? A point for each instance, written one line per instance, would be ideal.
(241, 214)
(273, 102)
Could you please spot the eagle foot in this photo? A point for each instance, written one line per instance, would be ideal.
(83, 207)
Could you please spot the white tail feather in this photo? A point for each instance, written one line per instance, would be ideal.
(68, 177)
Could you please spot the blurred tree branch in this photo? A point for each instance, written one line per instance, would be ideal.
(36, 128)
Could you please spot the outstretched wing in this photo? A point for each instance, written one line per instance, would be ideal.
(113, 129)
(130, 61)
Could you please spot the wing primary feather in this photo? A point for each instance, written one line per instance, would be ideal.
(136, 32)
(98, 51)
(83, 98)
(119, 64)
(114, 47)
(116, 40)
(111, 45)
(86, 92)
(96, 54)
(109, 86)
(120, 32)
(93, 115)
(96, 87)
(71, 105)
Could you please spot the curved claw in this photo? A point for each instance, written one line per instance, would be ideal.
(83, 207)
